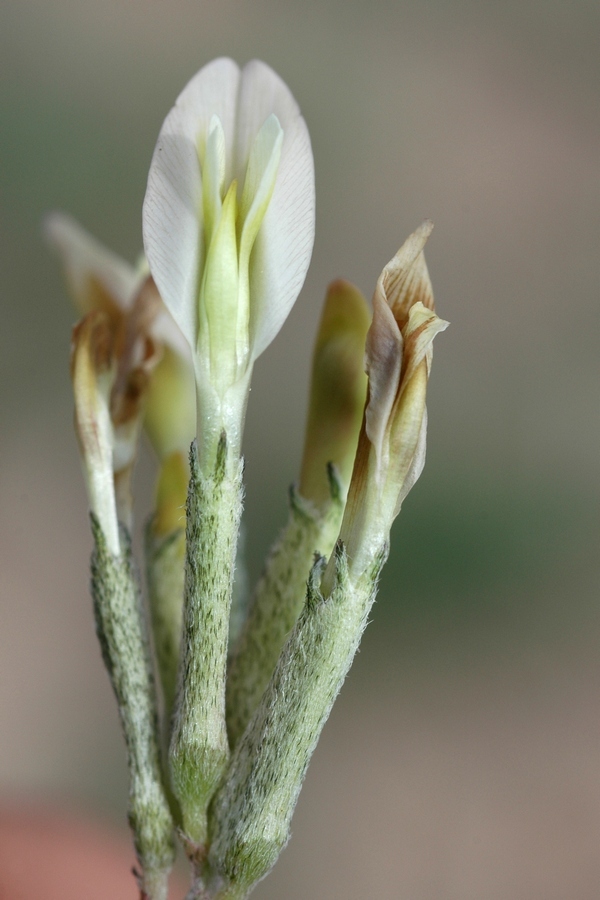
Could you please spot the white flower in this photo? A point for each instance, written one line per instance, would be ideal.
(229, 226)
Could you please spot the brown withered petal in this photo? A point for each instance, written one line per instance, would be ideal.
(405, 280)
(383, 363)
(92, 373)
(126, 403)
(403, 442)
(99, 297)
(404, 437)
(95, 332)
(418, 334)
(401, 333)
(137, 354)
(417, 464)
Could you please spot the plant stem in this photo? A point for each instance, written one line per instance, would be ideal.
(199, 748)
(276, 605)
(125, 650)
(251, 813)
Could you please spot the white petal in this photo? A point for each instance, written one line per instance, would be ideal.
(259, 183)
(165, 330)
(172, 216)
(283, 248)
(213, 166)
(84, 258)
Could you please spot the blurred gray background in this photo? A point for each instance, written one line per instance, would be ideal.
(462, 761)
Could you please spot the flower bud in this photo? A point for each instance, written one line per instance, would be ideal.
(170, 409)
(337, 392)
(171, 493)
(391, 446)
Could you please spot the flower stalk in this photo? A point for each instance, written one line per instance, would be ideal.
(252, 811)
(199, 749)
(277, 602)
(125, 651)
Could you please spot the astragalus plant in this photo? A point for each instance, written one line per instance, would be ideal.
(169, 345)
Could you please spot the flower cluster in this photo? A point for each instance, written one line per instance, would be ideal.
(169, 345)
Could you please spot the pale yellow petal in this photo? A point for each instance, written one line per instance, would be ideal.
(337, 392)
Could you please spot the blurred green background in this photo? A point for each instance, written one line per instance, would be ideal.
(462, 761)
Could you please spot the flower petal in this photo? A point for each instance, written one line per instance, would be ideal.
(164, 330)
(219, 298)
(213, 177)
(283, 247)
(416, 466)
(383, 363)
(405, 279)
(90, 268)
(337, 392)
(172, 216)
(419, 332)
(170, 409)
(261, 175)
(93, 373)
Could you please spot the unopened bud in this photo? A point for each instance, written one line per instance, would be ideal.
(391, 447)
(337, 392)
(170, 409)
(171, 493)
